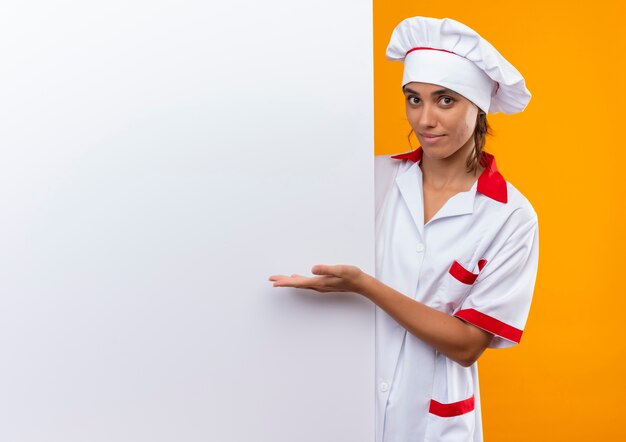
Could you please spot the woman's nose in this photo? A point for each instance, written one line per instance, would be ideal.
(427, 117)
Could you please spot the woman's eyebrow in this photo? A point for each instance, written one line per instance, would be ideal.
(432, 94)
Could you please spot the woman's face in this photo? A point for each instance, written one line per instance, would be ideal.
(442, 120)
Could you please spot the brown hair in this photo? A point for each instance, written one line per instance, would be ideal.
(481, 131)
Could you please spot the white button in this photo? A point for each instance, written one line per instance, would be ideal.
(384, 386)
(420, 247)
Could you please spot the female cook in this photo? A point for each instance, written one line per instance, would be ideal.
(456, 245)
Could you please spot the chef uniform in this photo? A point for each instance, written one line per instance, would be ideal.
(475, 259)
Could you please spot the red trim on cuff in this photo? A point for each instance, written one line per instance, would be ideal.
(492, 325)
(452, 409)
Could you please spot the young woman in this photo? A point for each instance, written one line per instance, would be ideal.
(456, 245)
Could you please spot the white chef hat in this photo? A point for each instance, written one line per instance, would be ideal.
(450, 54)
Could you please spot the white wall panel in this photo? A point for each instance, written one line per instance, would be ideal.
(158, 161)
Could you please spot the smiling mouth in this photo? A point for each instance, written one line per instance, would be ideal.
(431, 138)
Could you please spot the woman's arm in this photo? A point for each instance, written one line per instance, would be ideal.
(458, 340)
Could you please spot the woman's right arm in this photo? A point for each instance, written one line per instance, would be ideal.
(458, 340)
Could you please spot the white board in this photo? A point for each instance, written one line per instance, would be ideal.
(158, 161)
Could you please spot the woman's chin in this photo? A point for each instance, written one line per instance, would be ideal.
(437, 153)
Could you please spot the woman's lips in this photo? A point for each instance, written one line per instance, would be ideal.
(431, 138)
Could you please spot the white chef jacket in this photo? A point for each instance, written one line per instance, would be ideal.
(475, 259)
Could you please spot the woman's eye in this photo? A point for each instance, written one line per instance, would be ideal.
(413, 99)
(447, 100)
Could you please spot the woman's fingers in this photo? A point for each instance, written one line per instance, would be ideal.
(276, 277)
(337, 278)
(336, 270)
(320, 269)
(279, 277)
(294, 280)
(299, 281)
(342, 271)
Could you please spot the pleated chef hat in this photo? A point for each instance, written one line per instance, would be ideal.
(450, 54)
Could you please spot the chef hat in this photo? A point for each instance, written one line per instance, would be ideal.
(450, 54)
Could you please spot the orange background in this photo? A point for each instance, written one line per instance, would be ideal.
(566, 381)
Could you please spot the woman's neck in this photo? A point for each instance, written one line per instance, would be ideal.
(449, 174)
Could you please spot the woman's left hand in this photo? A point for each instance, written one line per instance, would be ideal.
(337, 278)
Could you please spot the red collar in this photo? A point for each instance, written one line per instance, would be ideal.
(490, 183)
